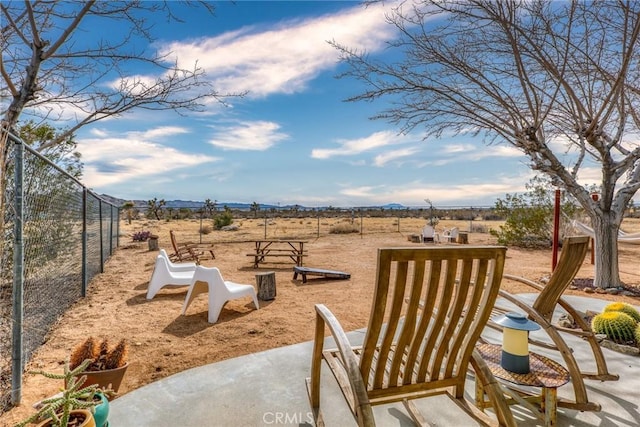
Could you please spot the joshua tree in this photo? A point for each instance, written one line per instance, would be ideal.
(255, 207)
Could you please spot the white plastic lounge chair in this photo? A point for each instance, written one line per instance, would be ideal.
(429, 234)
(220, 291)
(178, 266)
(451, 235)
(166, 273)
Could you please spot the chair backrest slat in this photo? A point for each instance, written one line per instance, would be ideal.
(574, 249)
(435, 302)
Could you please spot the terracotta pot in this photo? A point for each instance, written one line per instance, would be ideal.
(105, 378)
(88, 419)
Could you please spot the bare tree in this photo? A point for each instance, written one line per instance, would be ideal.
(48, 69)
(558, 80)
(52, 72)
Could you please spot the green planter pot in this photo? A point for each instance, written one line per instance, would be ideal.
(101, 413)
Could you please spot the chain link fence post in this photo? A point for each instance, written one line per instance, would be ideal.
(18, 279)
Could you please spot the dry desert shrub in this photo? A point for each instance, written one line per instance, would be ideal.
(344, 228)
(206, 229)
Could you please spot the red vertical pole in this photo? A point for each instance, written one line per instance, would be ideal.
(556, 230)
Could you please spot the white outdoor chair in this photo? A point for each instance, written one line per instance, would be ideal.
(178, 266)
(451, 235)
(220, 291)
(167, 273)
(429, 235)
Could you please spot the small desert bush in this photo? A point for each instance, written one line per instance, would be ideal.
(344, 228)
(479, 228)
(141, 236)
(206, 229)
(223, 220)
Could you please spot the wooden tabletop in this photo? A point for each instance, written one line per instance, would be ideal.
(544, 372)
(279, 240)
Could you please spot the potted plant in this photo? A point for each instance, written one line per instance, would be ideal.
(107, 365)
(76, 405)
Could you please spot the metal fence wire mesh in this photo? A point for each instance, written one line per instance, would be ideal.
(58, 216)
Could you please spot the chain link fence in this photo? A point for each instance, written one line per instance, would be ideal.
(56, 235)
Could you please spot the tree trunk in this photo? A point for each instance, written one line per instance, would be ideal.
(605, 227)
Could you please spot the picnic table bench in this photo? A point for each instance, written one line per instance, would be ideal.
(291, 249)
(329, 274)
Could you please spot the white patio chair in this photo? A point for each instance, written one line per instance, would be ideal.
(220, 291)
(178, 266)
(451, 235)
(167, 273)
(429, 235)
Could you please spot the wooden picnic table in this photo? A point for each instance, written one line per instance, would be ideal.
(281, 249)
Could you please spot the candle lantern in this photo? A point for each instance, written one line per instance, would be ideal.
(515, 341)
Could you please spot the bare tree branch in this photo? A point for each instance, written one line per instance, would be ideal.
(43, 50)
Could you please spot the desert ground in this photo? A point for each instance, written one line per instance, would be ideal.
(164, 342)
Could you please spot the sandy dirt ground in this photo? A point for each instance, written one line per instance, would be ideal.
(163, 342)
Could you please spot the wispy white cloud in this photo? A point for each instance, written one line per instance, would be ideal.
(350, 147)
(458, 148)
(160, 132)
(390, 156)
(100, 133)
(248, 136)
(283, 58)
(590, 175)
(133, 156)
(484, 151)
(413, 193)
(460, 153)
(361, 192)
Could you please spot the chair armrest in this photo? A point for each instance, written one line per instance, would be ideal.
(536, 317)
(361, 405)
(524, 281)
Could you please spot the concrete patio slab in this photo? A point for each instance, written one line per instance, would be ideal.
(268, 388)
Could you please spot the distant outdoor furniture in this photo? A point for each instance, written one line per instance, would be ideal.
(451, 236)
(543, 372)
(274, 250)
(308, 271)
(189, 251)
(463, 238)
(166, 273)
(541, 311)
(220, 291)
(429, 235)
(415, 238)
(423, 349)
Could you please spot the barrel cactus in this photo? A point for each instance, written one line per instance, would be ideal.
(624, 308)
(637, 335)
(616, 325)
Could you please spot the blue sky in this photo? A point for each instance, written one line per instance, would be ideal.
(292, 139)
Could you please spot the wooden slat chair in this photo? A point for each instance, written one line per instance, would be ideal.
(421, 351)
(541, 311)
(189, 251)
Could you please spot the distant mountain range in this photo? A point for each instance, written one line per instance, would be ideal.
(191, 204)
